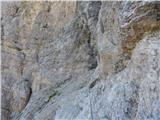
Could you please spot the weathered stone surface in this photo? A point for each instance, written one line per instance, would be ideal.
(96, 60)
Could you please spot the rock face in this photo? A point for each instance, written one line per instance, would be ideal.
(97, 60)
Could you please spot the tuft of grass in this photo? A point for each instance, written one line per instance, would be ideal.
(55, 93)
(18, 30)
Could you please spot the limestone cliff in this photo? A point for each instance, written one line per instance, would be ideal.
(95, 60)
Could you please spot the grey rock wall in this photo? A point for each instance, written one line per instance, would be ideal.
(97, 60)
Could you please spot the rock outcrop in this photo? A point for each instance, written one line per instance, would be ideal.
(78, 60)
